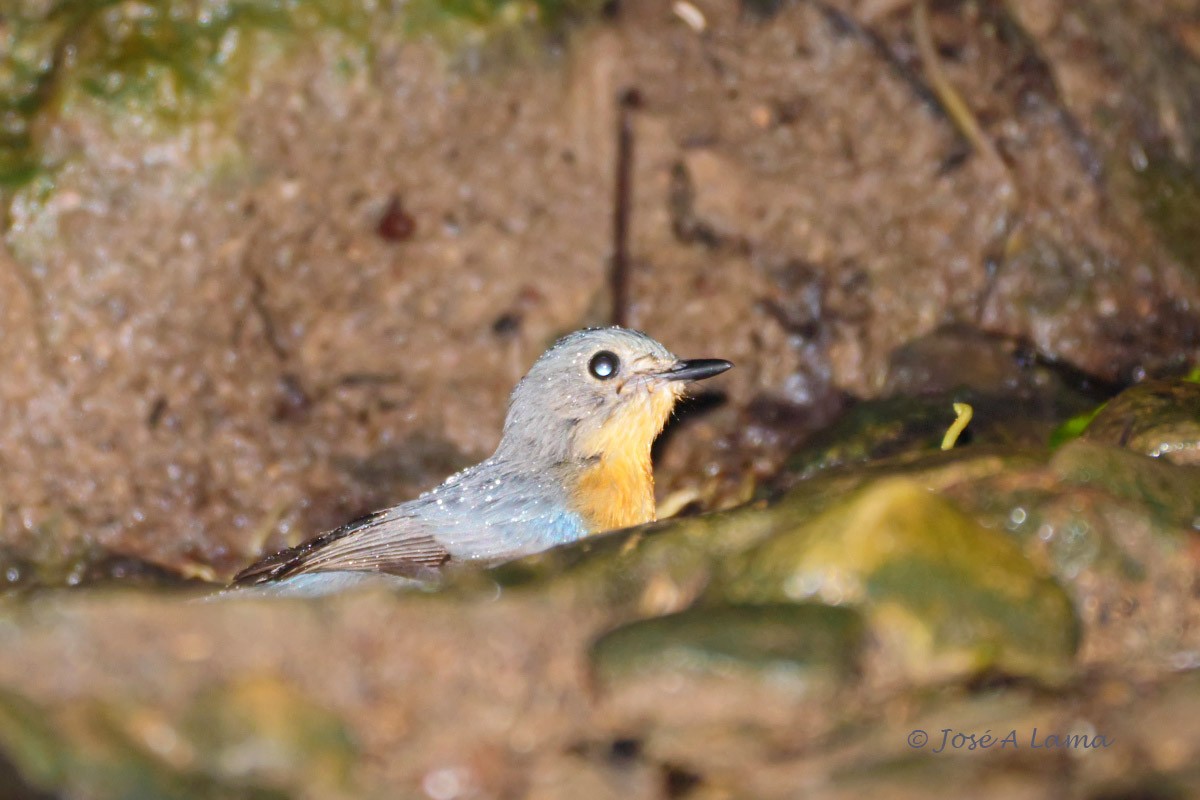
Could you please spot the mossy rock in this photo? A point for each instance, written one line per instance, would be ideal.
(1168, 492)
(810, 640)
(902, 426)
(621, 569)
(169, 59)
(1156, 418)
(943, 595)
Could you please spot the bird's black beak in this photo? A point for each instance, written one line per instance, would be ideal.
(695, 369)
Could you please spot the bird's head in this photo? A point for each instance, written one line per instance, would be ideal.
(597, 393)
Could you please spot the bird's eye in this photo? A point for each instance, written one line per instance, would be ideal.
(604, 365)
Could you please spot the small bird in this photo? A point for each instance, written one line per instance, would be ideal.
(573, 460)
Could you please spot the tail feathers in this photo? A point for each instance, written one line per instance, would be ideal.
(379, 542)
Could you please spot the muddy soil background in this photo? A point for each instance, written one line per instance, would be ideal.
(245, 302)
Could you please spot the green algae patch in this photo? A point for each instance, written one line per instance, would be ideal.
(158, 58)
(1117, 529)
(807, 640)
(1156, 418)
(943, 595)
(251, 740)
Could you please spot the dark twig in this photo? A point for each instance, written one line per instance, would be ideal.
(965, 121)
(622, 202)
(952, 103)
(258, 301)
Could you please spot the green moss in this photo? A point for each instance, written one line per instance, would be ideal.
(166, 58)
(1074, 427)
(158, 57)
(1157, 418)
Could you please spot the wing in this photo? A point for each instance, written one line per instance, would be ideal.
(486, 514)
(390, 541)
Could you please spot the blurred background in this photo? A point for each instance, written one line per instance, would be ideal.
(269, 265)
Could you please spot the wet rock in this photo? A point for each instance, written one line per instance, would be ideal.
(877, 431)
(959, 356)
(42, 563)
(1170, 195)
(1158, 418)
(935, 741)
(231, 695)
(1117, 529)
(1085, 305)
(1152, 139)
(951, 358)
(1017, 400)
(943, 595)
(808, 641)
(1168, 493)
(743, 682)
(775, 427)
(872, 431)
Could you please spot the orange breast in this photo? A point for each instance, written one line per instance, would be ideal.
(616, 493)
(617, 490)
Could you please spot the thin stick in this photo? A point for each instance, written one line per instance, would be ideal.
(956, 108)
(622, 203)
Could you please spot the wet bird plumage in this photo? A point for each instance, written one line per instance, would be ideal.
(573, 460)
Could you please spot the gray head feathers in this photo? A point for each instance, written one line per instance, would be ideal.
(567, 395)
